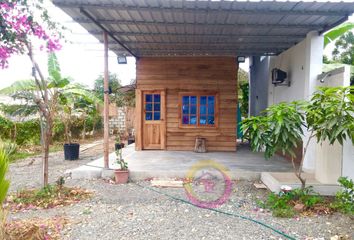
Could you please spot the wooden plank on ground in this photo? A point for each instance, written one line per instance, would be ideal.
(167, 183)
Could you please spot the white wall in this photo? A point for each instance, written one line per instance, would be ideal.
(333, 161)
(293, 62)
(303, 63)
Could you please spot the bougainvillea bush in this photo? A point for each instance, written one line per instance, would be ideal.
(20, 26)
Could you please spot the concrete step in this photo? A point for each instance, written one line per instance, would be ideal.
(274, 180)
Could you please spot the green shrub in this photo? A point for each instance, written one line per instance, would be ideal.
(4, 183)
(77, 126)
(8, 147)
(307, 196)
(282, 204)
(243, 98)
(345, 198)
(28, 132)
(6, 127)
(58, 130)
(277, 201)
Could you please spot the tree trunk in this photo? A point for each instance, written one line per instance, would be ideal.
(84, 131)
(66, 130)
(94, 127)
(299, 170)
(45, 111)
(46, 158)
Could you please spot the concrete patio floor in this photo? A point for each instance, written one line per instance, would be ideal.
(242, 164)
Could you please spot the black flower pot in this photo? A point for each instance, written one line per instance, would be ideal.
(118, 146)
(71, 151)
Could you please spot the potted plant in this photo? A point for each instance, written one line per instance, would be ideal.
(67, 111)
(71, 150)
(118, 144)
(74, 102)
(121, 174)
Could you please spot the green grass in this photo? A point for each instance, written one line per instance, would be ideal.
(284, 212)
(23, 154)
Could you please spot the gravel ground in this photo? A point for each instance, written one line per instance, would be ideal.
(132, 212)
(27, 173)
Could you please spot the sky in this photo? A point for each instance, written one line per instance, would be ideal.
(81, 58)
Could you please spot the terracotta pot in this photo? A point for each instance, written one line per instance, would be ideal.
(121, 176)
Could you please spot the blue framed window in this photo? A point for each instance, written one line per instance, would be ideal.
(198, 110)
(207, 110)
(189, 110)
(152, 107)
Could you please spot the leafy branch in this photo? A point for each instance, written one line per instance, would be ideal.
(329, 115)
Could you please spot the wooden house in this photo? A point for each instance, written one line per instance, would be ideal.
(181, 98)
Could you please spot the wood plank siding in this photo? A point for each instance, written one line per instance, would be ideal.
(191, 74)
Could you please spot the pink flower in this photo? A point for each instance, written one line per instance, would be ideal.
(19, 26)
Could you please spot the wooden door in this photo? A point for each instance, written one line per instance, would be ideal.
(154, 120)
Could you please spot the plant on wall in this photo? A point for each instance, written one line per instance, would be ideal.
(329, 115)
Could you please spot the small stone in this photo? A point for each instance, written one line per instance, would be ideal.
(299, 207)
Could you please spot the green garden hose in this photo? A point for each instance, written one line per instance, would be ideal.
(219, 211)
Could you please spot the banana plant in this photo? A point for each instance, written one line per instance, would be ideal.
(337, 32)
(45, 94)
(75, 101)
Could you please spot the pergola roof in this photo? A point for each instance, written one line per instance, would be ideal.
(204, 27)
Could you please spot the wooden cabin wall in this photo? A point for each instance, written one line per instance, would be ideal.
(181, 74)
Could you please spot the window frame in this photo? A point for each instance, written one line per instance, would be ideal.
(153, 102)
(198, 94)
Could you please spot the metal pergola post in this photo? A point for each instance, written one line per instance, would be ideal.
(106, 104)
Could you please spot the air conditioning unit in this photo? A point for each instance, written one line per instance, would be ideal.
(278, 76)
